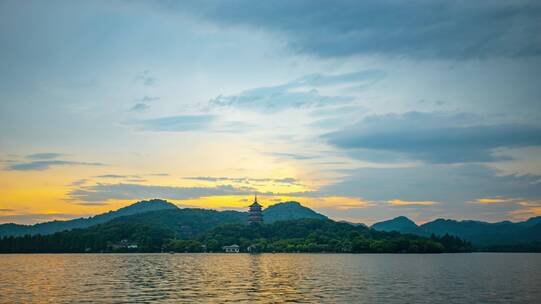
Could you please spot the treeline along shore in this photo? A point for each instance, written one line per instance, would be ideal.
(302, 235)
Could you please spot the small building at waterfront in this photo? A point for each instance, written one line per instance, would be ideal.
(232, 248)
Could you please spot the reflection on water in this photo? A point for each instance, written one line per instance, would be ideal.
(269, 278)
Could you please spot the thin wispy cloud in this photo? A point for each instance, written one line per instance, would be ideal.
(495, 200)
(147, 99)
(117, 176)
(44, 161)
(139, 107)
(179, 123)
(246, 180)
(300, 93)
(125, 191)
(47, 164)
(31, 218)
(397, 202)
(146, 78)
(48, 155)
(143, 103)
(292, 155)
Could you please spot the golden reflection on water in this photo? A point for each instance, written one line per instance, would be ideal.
(269, 278)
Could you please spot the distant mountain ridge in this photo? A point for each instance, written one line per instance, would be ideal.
(191, 221)
(204, 230)
(170, 218)
(480, 233)
(55, 226)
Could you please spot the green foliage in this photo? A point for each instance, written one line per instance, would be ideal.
(312, 235)
(100, 238)
(56, 226)
(487, 236)
(304, 235)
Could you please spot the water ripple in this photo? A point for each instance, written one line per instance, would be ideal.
(270, 278)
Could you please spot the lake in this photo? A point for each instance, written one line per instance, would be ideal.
(271, 278)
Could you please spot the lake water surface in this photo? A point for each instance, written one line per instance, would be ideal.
(271, 278)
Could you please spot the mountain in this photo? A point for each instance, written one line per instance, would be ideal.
(400, 224)
(129, 234)
(184, 222)
(160, 215)
(481, 234)
(55, 226)
(289, 211)
(172, 218)
(532, 221)
(188, 222)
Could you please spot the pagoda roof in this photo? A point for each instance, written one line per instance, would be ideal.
(255, 204)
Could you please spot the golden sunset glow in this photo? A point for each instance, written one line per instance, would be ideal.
(493, 200)
(402, 203)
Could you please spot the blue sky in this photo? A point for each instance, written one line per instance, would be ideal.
(361, 110)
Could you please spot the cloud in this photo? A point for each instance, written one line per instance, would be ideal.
(397, 202)
(139, 107)
(46, 164)
(516, 208)
(146, 78)
(79, 182)
(142, 103)
(495, 200)
(136, 180)
(414, 29)
(528, 209)
(104, 192)
(44, 155)
(434, 137)
(179, 123)
(300, 93)
(246, 180)
(158, 174)
(292, 155)
(33, 218)
(117, 176)
(92, 204)
(436, 183)
(136, 176)
(146, 99)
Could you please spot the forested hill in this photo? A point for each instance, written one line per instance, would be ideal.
(289, 211)
(301, 235)
(55, 226)
(171, 217)
(520, 236)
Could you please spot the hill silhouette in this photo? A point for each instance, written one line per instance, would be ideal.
(504, 234)
(160, 215)
(55, 226)
(171, 217)
(135, 233)
(289, 211)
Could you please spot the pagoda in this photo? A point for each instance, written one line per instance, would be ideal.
(256, 216)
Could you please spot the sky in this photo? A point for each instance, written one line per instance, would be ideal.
(361, 110)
